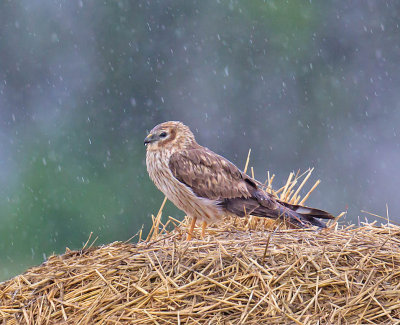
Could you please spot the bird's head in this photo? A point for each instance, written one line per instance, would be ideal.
(170, 135)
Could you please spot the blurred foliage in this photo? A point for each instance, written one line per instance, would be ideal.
(301, 83)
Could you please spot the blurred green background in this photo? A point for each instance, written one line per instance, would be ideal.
(302, 83)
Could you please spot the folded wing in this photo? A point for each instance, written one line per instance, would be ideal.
(213, 177)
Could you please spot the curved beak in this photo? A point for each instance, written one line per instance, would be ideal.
(150, 138)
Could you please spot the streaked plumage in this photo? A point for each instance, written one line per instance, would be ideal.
(207, 186)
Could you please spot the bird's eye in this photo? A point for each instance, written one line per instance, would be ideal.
(163, 134)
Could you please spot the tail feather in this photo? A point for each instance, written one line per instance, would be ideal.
(301, 220)
(307, 215)
(296, 215)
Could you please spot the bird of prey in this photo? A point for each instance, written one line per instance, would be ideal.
(207, 186)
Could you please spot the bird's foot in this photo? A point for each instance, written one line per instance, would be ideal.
(203, 229)
(190, 230)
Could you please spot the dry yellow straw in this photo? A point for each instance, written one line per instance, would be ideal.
(347, 275)
(247, 162)
(309, 192)
(156, 222)
(244, 272)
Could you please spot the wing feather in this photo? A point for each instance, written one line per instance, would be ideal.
(213, 177)
(210, 175)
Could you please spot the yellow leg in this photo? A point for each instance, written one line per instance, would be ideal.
(203, 229)
(191, 227)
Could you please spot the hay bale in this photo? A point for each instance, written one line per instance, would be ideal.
(236, 275)
(246, 271)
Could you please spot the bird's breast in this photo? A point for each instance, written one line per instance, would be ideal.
(177, 192)
(161, 175)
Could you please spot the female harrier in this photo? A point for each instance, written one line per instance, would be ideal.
(207, 186)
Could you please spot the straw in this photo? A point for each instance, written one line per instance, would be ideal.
(242, 272)
(287, 276)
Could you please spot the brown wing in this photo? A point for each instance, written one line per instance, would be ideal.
(210, 175)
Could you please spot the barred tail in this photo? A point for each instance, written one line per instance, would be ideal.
(303, 216)
(296, 215)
